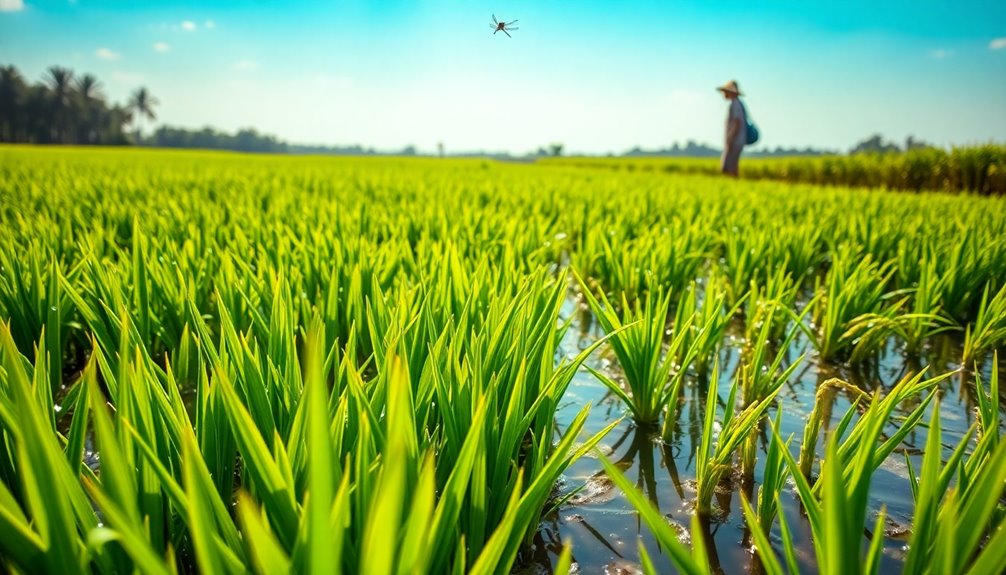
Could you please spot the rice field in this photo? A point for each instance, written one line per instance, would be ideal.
(973, 169)
(225, 363)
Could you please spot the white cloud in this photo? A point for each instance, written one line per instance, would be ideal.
(106, 54)
(210, 24)
(11, 5)
(246, 65)
(998, 44)
(188, 25)
(161, 47)
(940, 53)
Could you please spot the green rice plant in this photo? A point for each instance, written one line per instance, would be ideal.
(877, 414)
(699, 347)
(764, 553)
(913, 325)
(926, 318)
(989, 329)
(759, 368)
(32, 298)
(711, 319)
(694, 561)
(773, 479)
(525, 395)
(868, 333)
(988, 405)
(963, 273)
(354, 492)
(803, 246)
(45, 511)
(953, 529)
(638, 343)
(780, 292)
(665, 257)
(715, 454)
(745, 259)
(855, 288)
(837, 517)
(820, 416)
(947, 527)
(761, 375)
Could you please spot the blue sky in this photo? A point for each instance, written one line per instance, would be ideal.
(597, 76)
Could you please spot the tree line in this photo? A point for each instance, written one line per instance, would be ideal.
(64, 108)
(245, 140)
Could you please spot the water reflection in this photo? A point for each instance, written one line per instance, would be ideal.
(605, 529)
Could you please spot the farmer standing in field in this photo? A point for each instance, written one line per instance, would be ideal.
(736, 134)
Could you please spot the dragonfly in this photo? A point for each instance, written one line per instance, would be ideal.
(500, 26)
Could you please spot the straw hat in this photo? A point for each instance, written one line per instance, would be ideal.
(730, 87)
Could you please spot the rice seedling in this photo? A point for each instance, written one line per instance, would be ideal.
(820, 416)
(694, 561)
(852, 293)
(963, 273)
(760, 374)
(32, 299)
(665, 258)
(714, 459)
(926, 318)
(773, 479)
(929, 491)
(778, 293)
(988, 405)
(953, 529)
(745, 259)
(863, 433)
(711, 319)
(341, 483)
(837, 519)
(638, 343)
(989, 329)
(759, 369)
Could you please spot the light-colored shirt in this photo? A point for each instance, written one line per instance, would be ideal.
(737, 112)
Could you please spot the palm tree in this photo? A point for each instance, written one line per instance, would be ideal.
(142, 104)
(59, 80)
(12, 93)
(89, 93)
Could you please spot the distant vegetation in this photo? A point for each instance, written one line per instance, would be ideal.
(246, 140)
(692, 149)
(980, 169)
(65, 109)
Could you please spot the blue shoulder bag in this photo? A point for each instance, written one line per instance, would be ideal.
(752, 131)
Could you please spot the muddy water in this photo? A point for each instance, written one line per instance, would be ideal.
(604, 528)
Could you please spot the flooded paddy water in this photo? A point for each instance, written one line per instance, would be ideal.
(605, 529)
